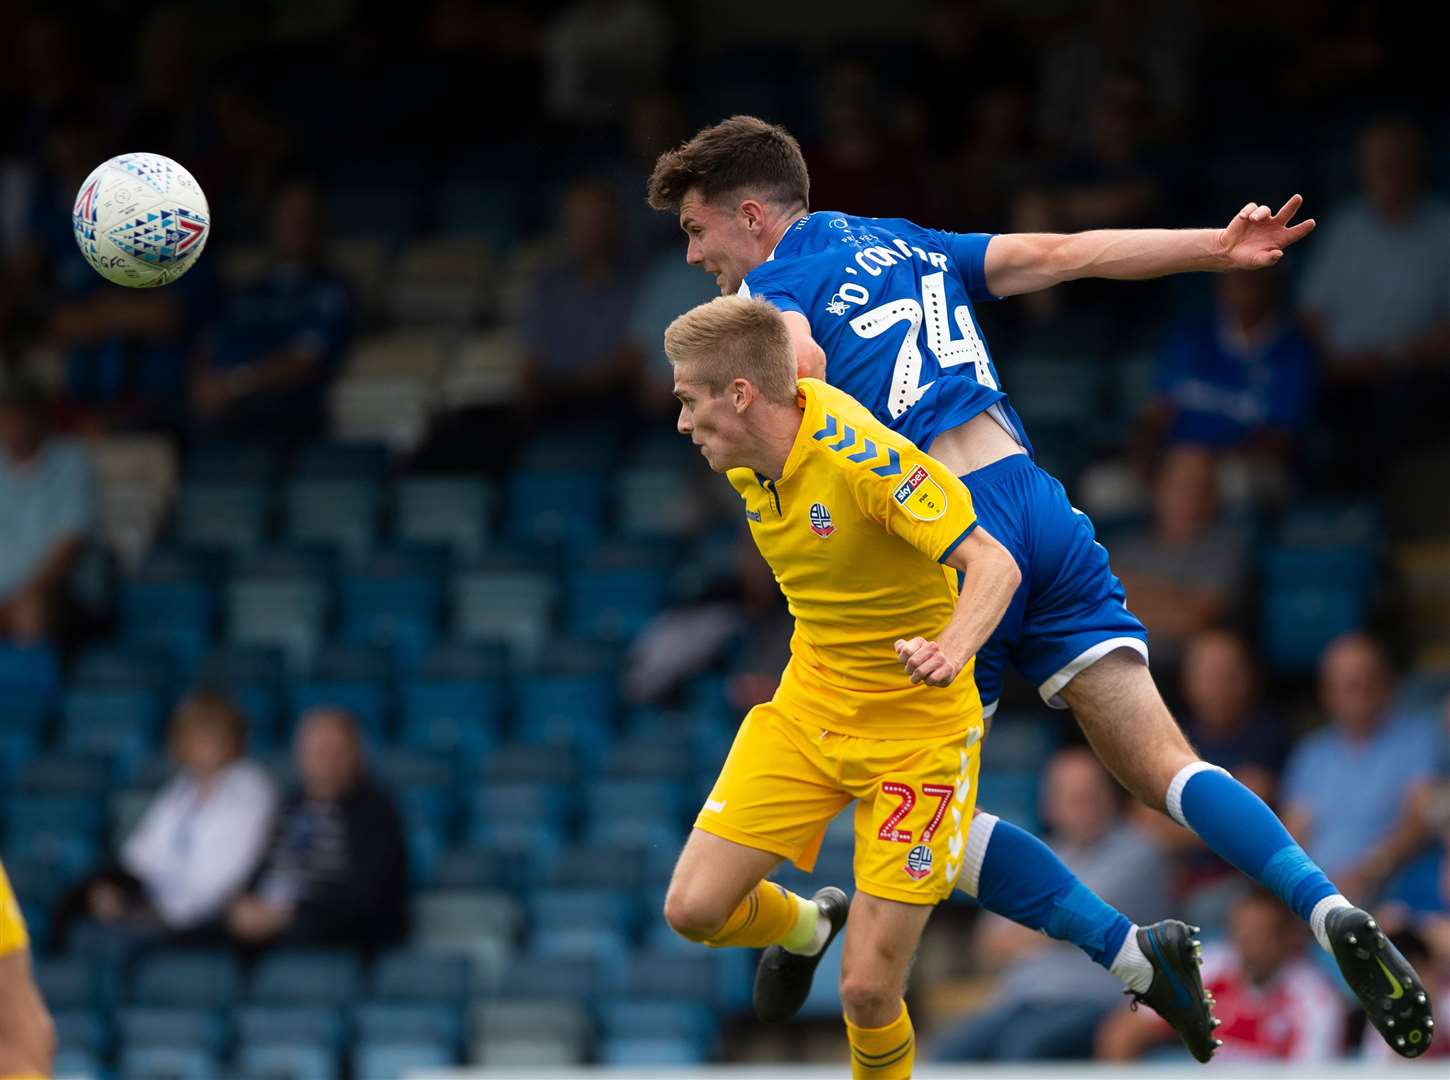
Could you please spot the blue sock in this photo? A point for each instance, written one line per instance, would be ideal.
(1019, 878)
(1240, 829)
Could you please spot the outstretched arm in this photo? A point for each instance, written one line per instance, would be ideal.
(1027, 262)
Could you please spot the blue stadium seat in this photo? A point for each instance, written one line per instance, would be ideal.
(523, 762)
(149, 1025)
(124, 666)
(587, 865)
(81, 1064)
(319, 1025)
(655, 500)
(605, 950)
(286, 613)
(68, 982)
(391, 1021)
(306, 976)
(557, 507)
(122, 721)
(186, 978)
(340, 512)
(475, 868)
(1018, 742)
(390, 1060)
(455, 716)
(566, 710)
(148, 1062)
(448, 509)
(529, 977)
(1311, 595)
(65, 773)
(521, 803)
(259, 665)
(616, 603)
(647, 757)
(175, 615)
(415, 976)
(81, 1029)
(671, 975)
(658, 1018)
(615, 910)
(39, 847)
(512, 606)
(287, 1061)
(215, 460)
(519, 855)
(401, 613)
(651, 1052)
(229, 516)
(358, 461)
(634, 800)
(538, 1033)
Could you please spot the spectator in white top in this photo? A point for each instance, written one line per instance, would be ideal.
(47, 505)
(1274, 1003)
(200, 839)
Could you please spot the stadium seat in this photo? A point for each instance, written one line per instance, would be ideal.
(482, 925)
(306, 977)
(586, 865)
(77, 1064)
(286, 613)
(81, 1029)
(614, 604)
(651, 1052)
(287, 1061)
(76, 773)
(530, 977)
(519, 1034)
(150, 1061)
(670, 975)
(149, 1025)
(634, 800)
(319, 1025)
(657, 1018)
(124, 666)
(343, 513)
(414, 976)
(515, 607)
(564, 507)
(551, 910)
(605, 951)
(229, 516)
(566, 710)
(444, 282)
(400, 613)
(647, 757)
(448, 509)
(173, 614)
(259, 665)
(453, 716)
(653, 501)
(213, 461)
(392, 409)
(366, 462)
(68, 982)
(389, 1021)
(113, 720)
(521, 855)
(391, 1060)
(517, 761)
(186, 978)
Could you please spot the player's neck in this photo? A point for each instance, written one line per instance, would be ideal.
(778, 427)
(771, 237)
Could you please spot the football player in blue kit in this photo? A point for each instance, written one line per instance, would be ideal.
(883, 309)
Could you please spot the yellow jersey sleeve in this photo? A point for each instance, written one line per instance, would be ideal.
(924, 504)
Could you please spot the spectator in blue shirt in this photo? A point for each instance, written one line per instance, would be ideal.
(261, 370)
(1239, 379)
(47, 508)
(1347, 789)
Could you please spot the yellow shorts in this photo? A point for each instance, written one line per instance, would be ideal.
(785, 780)
(13, 936)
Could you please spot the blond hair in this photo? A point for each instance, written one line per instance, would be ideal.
(731, 338)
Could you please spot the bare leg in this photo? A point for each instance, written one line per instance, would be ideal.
(881, 939)
(1129, 727)
(27, 1034)
(711, 878)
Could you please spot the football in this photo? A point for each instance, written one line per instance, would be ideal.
(141, 220)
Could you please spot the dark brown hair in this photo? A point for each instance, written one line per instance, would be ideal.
(743, 154)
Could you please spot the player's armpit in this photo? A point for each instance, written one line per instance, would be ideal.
(810, 358)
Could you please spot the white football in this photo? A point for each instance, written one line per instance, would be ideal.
(141, 220)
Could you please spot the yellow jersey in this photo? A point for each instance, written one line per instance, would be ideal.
(856, 530)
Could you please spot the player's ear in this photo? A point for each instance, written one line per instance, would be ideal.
(752, 213)
(741, 394)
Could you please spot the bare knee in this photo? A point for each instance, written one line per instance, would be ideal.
(869, 999)
(691, 914)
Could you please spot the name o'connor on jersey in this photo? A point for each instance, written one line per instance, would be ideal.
(857, 280)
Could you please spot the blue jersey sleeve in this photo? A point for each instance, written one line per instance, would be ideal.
(775, 285)
(968, 251)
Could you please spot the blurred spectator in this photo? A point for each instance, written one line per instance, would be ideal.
(1274, 1003)
(1050, 1001)
(575, 320)
(1347, 787)
(997, 160)
(859, 165)
(337, 871)
(1241, 379)
(47, 506)
(262, 369)
(1376, 295)
(1184, 575)
(600, 55)
(197, 842)
(1226, 718)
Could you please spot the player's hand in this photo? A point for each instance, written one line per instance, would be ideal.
(1256, 238)
(926, 662)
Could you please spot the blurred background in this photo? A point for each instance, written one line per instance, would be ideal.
(368, 638)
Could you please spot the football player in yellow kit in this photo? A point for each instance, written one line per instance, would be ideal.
(869, 539)
(27, 1035)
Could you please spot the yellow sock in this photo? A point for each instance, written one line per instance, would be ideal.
(770, 915)
(884, 1053)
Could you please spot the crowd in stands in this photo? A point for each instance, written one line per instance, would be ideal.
(382, 504)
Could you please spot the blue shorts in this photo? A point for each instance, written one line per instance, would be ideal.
(1069, 612)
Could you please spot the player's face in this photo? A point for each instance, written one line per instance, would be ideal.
(710, 420)
(720, 243)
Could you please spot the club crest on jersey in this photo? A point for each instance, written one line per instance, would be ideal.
(918, 862)
(921, 496)
(821, 523)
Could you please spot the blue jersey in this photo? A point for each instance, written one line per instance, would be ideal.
(891, 305)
